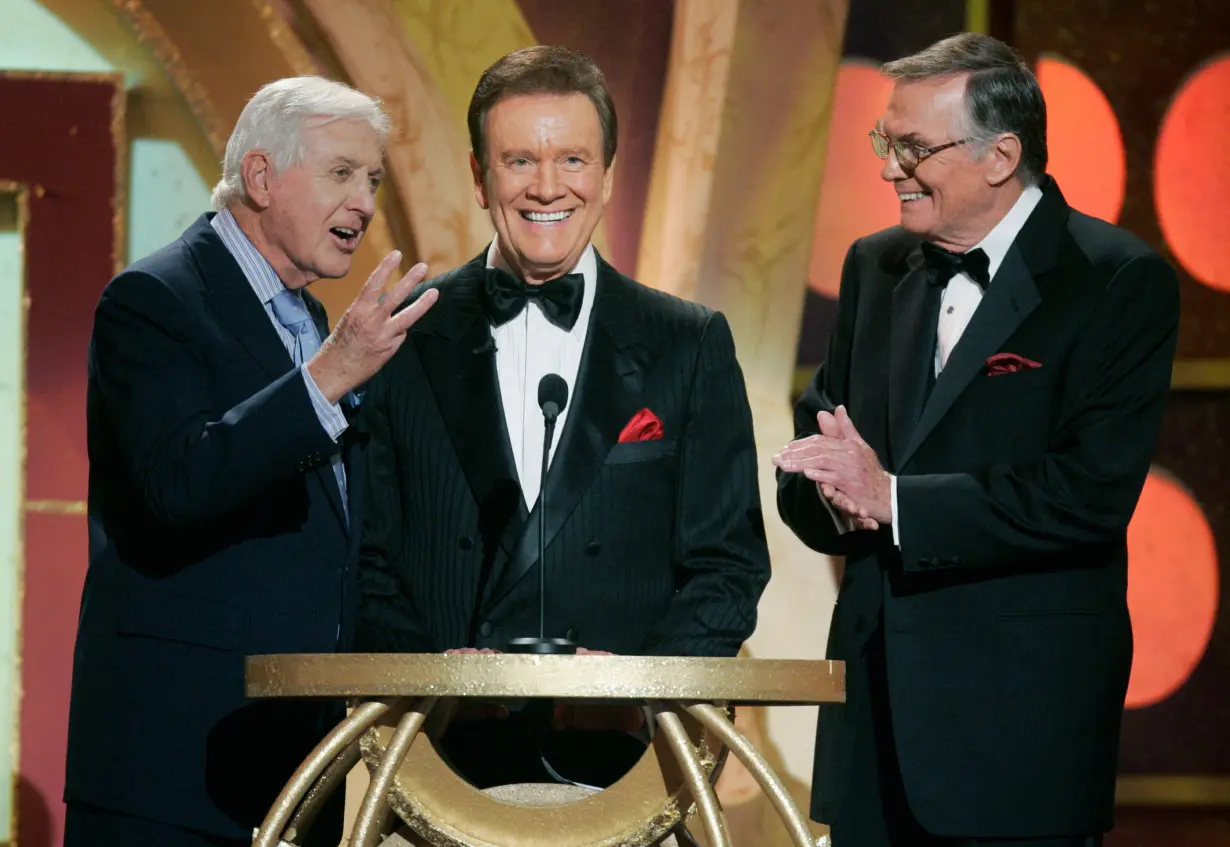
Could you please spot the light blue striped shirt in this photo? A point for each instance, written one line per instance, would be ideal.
(266, 285)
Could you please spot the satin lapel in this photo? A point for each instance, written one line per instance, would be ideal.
(458, 355)
(915, 313)
(233, 302)
(1010, 297)
(606, 396)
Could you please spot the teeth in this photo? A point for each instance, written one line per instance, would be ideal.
(915, 195)
(546, 217)
(345, 232)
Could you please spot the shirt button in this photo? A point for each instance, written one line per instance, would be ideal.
(593, 548)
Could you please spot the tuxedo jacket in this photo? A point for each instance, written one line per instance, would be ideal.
(216, 531)
(1004, 611)
(653, 547)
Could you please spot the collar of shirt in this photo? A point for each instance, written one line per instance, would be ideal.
(587, 266)
(256, 268)
(1000, 238)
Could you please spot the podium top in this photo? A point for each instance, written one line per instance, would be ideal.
(516, 676)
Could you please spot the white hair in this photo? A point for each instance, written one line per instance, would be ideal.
(275, 118)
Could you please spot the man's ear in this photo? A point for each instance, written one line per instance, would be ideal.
(1005, 155)
(255, 170)
(480, 183)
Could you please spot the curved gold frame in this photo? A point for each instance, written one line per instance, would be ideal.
(671, 781)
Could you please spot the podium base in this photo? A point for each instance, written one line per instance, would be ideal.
(542, 646)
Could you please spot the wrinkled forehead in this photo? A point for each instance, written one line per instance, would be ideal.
(353, 139)
(926, 111)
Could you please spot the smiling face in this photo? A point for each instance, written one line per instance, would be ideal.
(315, 212)
(953, 197)
(546, 184)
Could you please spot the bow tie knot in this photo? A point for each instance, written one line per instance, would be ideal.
(943, 265)
(505, 296)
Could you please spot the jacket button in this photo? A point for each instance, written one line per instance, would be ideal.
(593, 548)
(465, 542)
(486, 629)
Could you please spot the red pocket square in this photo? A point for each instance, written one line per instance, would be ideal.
(1009, 363)
(644, 426)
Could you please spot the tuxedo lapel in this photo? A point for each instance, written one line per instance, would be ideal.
(1012, 295)
(915, 314)
(1010, 298)
(233, 302)
(605, 397)
(458, 355)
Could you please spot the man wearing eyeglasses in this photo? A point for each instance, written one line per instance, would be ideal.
(975, 444)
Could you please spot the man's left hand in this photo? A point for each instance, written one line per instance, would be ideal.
(846, 465)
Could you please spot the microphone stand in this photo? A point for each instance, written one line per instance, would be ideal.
(543, 645)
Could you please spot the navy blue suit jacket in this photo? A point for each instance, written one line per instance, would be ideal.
(216, 531)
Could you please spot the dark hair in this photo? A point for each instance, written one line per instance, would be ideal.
(541, 70)
(1002, 94)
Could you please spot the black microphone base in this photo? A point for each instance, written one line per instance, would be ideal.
(542, 646)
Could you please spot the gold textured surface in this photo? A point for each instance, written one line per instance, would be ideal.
(763, 681)
(775, 791)
(443, 810)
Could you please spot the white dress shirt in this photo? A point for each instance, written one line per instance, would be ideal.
(962, 295)
(527, 348)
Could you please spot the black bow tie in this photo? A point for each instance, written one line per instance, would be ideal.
(943, 265)
(504, 297)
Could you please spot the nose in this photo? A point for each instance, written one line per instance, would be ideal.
(546, 187)
(892, 171)
(363, 200)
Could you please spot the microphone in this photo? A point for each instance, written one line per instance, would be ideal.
(552, 398)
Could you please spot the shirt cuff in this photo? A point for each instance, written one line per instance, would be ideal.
(892, 485)
(844, 523)
(329, 414)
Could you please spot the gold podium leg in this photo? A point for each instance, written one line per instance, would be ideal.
(714, 720)
(326, 751)
(706, 801)
(322, 789)
(375, 803)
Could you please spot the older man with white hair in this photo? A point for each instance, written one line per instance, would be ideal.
(224, 499)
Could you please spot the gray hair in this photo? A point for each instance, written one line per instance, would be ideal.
(275, 118)
(1002, 94)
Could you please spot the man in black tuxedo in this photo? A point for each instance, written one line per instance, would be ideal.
(1006, 360)
(225, 492)
(655, 541)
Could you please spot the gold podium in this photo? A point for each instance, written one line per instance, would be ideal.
(402, 702)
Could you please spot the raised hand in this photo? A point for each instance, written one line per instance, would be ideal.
(369, 333)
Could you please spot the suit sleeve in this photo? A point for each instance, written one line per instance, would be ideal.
(1083, 490)
(388, 620)
(722, 560)
(191, 461)
(798, 500)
